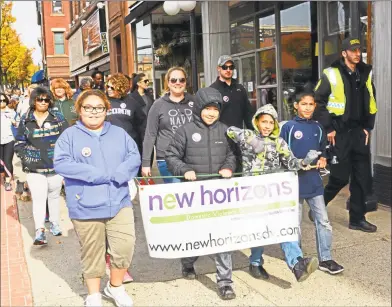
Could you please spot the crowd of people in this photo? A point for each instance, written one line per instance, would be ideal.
(97, 144)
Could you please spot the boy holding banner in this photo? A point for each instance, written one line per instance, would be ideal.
(264, 151)
(201, 147)
(303, 134)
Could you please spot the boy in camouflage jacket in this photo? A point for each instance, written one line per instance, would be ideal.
(264, 151)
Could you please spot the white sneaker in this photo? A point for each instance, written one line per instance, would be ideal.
(93, 300)
(119, 295)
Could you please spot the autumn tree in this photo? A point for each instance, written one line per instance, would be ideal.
(16, 63)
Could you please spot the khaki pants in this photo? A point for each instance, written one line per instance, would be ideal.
(118, 232)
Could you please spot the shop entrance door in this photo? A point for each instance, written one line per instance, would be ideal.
(246, 75)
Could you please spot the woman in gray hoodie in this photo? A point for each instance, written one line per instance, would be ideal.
(167, 114)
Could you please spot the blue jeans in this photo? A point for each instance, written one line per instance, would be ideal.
(291, 252)
(162, 167)
(323, 226)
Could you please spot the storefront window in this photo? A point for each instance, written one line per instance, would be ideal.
(335, 29)
(298, 43)
(144, 57)
(267, 66)
(242, 36)
(267, 30)
(171, 42)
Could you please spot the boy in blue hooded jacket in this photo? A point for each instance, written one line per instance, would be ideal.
(303, 134)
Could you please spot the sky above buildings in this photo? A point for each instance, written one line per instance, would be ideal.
(26, 26)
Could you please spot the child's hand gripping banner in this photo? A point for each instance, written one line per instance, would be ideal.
(213, 216)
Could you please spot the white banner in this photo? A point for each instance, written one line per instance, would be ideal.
(212, 216)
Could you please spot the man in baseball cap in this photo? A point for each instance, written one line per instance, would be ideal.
(351, 43)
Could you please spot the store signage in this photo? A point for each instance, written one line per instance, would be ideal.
(91, 34)
(105, 44)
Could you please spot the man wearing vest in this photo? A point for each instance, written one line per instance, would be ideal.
(347, 109)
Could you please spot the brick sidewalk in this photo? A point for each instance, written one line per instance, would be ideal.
(15, 278)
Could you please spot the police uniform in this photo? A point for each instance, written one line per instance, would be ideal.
(347, 104)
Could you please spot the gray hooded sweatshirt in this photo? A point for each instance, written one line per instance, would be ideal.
(164, 118)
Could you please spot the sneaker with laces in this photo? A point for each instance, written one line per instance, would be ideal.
(40, 237)
(119, 295)
(305, 267)
(93, 300)
(226, 293)
(330, 266)
(55, 229)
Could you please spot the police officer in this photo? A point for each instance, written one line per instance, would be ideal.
(236, 109)
(347, 109)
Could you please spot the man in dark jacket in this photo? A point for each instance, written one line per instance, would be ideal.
(201, 147)
(236, 109)
(347, 108)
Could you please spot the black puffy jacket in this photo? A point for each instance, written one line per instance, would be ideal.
(198, 147)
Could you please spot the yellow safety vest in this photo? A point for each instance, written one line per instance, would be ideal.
(337, 98)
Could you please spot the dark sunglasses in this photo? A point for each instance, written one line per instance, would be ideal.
(145, 81)
(46, 100)
(226, 67)
(2, 99)
(110, 87)
(175, 80)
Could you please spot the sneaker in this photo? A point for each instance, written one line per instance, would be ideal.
(257, 271)
(93, 300)
(226, 293)
(55, 229)
(331, 267)
(127, 278)
(8, 186)
(40, 237)
(119, 295)
(189, 273)
(305, 267)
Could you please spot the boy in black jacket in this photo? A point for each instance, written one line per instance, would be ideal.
(201, 147)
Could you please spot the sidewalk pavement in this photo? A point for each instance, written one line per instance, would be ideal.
(56, 278)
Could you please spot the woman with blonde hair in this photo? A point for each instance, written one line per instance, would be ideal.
(167, 114)
(64, 103)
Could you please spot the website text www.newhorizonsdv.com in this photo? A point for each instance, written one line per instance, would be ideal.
(229, 240)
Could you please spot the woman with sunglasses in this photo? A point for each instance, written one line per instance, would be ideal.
(139, 91)
(36, 136)
(7, 139)
(63, 99)
(97, 159)
(167, 114)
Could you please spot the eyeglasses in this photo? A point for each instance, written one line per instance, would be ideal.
(175, 80)
(110, 87)
(92, 109)
(226, 67)
(46, 100)
(1, 100)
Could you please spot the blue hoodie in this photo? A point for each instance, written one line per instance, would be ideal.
(96, 169)
(303, 135)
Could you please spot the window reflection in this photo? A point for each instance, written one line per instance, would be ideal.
(242, 36)
(268, 67)
(299, 61)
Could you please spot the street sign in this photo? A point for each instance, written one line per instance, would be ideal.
(104, 42)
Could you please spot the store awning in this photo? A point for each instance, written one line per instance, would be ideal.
(38, 76)
(144, 8)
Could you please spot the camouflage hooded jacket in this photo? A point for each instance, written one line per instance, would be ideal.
(263, 154)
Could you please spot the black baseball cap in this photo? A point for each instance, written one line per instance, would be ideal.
(351, 43)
